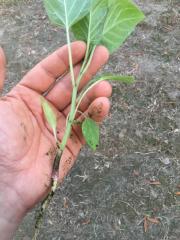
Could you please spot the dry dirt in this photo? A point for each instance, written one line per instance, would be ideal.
(107, 194)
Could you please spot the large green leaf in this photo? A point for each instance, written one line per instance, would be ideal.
(61, 12)
(90, 131)
(92, 25)
(121, 18)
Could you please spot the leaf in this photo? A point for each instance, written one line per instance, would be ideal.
(92, 25)
(50, 116)
(122, 16)
(90, 131)
(109, 77)
(120, 78)
(122, 19)
(71, 10)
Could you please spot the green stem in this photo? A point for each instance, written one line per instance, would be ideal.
(54, 183)
(82, 95)
(70, 119)
(87, 48)
(74, 93)
(71, 116)
(62, 145)
(86, 66)
(72, 113)
(69, 48)
(88, 56)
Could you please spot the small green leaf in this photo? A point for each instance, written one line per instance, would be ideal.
(119, 78)
(50, 116)
(66, 12)
(109, 77)
(90, 131)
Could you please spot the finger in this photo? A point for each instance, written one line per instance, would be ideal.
(102, 89)
(43, 75)
(60, 95)
(98, 111)
(2, 68)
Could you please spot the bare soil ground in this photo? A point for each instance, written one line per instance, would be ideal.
(108, 194)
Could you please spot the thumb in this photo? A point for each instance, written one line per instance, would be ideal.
(2, 68)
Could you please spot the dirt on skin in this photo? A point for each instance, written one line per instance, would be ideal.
(136, 170)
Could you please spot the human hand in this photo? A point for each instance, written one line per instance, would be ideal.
(27, 146)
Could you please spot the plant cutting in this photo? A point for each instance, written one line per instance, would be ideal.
(97, 22)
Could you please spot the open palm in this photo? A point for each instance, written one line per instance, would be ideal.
(27, 146)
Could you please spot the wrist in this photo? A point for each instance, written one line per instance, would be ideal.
(11, 212)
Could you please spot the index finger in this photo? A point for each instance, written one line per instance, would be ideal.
(43, 75)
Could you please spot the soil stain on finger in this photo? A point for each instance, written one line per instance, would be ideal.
(96, 111)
